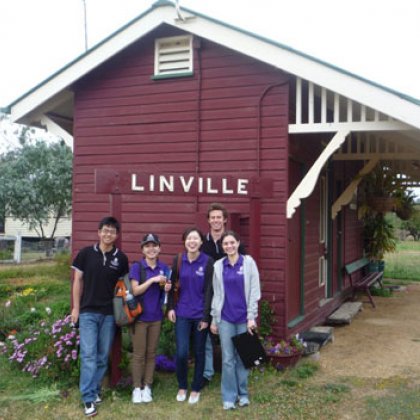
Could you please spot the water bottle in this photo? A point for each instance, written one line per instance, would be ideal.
(130, 300)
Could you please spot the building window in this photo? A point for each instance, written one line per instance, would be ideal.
(322, 270)
(173, 57)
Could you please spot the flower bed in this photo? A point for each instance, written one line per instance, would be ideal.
(50, 350)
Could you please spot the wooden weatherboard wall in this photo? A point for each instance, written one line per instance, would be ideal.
(229, 119)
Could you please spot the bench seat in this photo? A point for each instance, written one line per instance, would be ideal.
(366, 279)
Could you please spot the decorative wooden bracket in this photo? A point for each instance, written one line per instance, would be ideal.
(347, 194)
(307, 185)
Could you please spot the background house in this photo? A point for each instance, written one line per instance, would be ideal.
(177, 110)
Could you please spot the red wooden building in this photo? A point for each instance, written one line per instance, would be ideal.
(177, 110)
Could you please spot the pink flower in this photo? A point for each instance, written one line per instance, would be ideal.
(8, 303)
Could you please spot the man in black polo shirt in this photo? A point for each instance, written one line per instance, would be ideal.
(217, 217)
(96, 271)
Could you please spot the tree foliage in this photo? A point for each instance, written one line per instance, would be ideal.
(36, 184)
(413, 225)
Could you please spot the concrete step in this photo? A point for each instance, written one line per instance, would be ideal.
(316, 338)
(345, 313)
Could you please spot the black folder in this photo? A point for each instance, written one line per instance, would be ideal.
(250, 349)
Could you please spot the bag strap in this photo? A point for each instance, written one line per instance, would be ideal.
(142, 273)
(178, 265)
(127, 283)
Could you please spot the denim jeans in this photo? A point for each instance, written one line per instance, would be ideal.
(96, 336)
(208, 363)
(184, 328)
(234, 374)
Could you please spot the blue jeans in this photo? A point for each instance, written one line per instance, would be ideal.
(184, 327)
(96, 336)
(208, 363)
(234, 374)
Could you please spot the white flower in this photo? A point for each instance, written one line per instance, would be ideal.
(48, 310)
(10, 337)
(8, 303)
(33, 309)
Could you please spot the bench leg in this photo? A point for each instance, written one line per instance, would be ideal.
(370, 297)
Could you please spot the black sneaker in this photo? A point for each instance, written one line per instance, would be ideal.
(98, 399)
(90, 409)
(205, 382)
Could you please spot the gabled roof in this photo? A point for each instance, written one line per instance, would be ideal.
(53, 96)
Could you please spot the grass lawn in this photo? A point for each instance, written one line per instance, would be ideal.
(404, 263)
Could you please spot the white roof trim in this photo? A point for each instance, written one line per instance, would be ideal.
(246, 43)
(302, 66)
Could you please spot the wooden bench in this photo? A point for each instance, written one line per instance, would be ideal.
(366, 280)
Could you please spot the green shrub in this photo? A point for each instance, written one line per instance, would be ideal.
(266, 318)
(384, 292)
(305, 370)
(167, 343)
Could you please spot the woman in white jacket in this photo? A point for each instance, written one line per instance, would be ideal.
(236, 286)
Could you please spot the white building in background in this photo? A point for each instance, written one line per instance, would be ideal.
(17, 227)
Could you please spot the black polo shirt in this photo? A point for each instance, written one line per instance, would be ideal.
(215, 250)
(100, 274)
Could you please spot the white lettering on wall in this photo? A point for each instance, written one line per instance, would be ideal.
(242, 184)
(165, 183)
(134, 185)
(189, 184)
(210, 190)
(225, 189)
(186, 186)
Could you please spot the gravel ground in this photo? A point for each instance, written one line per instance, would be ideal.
(380, 342)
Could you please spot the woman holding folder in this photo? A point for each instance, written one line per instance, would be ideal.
(236, 288)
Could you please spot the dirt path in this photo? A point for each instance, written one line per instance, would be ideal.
(379, 343)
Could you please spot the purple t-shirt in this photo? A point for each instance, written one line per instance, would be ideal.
(192, 287)
(151, 298)
(234, 307)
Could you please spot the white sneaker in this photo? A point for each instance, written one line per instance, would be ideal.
(147, 394)
(90, 409)
(194, 398)
(228, 405)
(181, 397)
(137, 396)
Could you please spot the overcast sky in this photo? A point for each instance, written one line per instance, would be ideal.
(376, 39)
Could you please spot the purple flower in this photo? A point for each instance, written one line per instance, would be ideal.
(74, 354)
(164, 363)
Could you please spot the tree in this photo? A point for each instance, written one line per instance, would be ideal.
(36, 184)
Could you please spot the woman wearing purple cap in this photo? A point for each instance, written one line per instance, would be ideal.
(234, 309)
(189, 309)
(148, 280)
